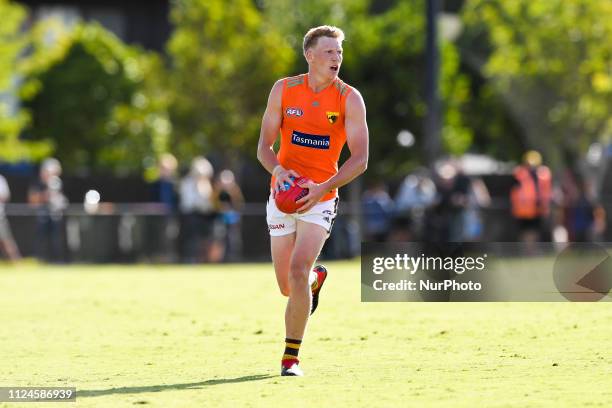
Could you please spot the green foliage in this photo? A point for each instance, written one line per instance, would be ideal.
(141, 127)
(384, 60)
(455, 91)
(225, 60)
(105, 105)
(12, 44)
(12, 41)
(550, 62)
(495, 133)
(99, 101)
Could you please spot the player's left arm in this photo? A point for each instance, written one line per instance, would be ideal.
(357, 140)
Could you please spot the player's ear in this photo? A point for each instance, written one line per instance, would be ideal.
(308, 54)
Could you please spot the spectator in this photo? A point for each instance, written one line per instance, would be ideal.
(445, 219)
(47, 196)
(416, 193)
(230, 201)
(584, 218)
(478, 198)
(164, 229)
(164, 188)
(531, 197)
(198, 214)
(378, 208)
(7, 243)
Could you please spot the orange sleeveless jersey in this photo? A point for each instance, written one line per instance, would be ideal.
(312, 129)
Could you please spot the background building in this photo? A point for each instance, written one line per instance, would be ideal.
(135, 22)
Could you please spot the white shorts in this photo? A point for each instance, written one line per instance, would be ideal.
(279, 223)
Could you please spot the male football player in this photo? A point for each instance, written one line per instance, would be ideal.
(314, 115)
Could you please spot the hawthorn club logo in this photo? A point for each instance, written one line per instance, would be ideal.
(332, 117)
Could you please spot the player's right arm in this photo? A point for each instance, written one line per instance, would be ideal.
(270, 129)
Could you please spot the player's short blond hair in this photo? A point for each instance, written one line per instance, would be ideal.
(311, 37)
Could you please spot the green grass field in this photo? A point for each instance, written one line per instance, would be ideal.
(210, 336)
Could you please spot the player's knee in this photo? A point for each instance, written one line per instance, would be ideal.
(298, 273)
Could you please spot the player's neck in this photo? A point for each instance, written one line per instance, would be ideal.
(317, 84)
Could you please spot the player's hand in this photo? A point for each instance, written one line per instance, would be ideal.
(315, 193)
(282, 176)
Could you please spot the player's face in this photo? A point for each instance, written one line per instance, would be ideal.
(325, 57)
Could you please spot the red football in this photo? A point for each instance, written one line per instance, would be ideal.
(286, 200)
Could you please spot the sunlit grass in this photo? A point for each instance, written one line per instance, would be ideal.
(213, 336)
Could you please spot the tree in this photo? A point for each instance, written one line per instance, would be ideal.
(99, 101)
(549, 61)
(12, 119)
(224, 63)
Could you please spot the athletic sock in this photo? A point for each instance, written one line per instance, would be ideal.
(292, 348)
(313, 278)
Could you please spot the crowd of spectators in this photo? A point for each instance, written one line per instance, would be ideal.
(203, 207)
(201, 219)
(440, 206)
(446, 205)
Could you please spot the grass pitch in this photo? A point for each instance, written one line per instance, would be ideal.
(213, 335)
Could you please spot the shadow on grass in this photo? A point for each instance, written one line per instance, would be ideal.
(158, 388)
